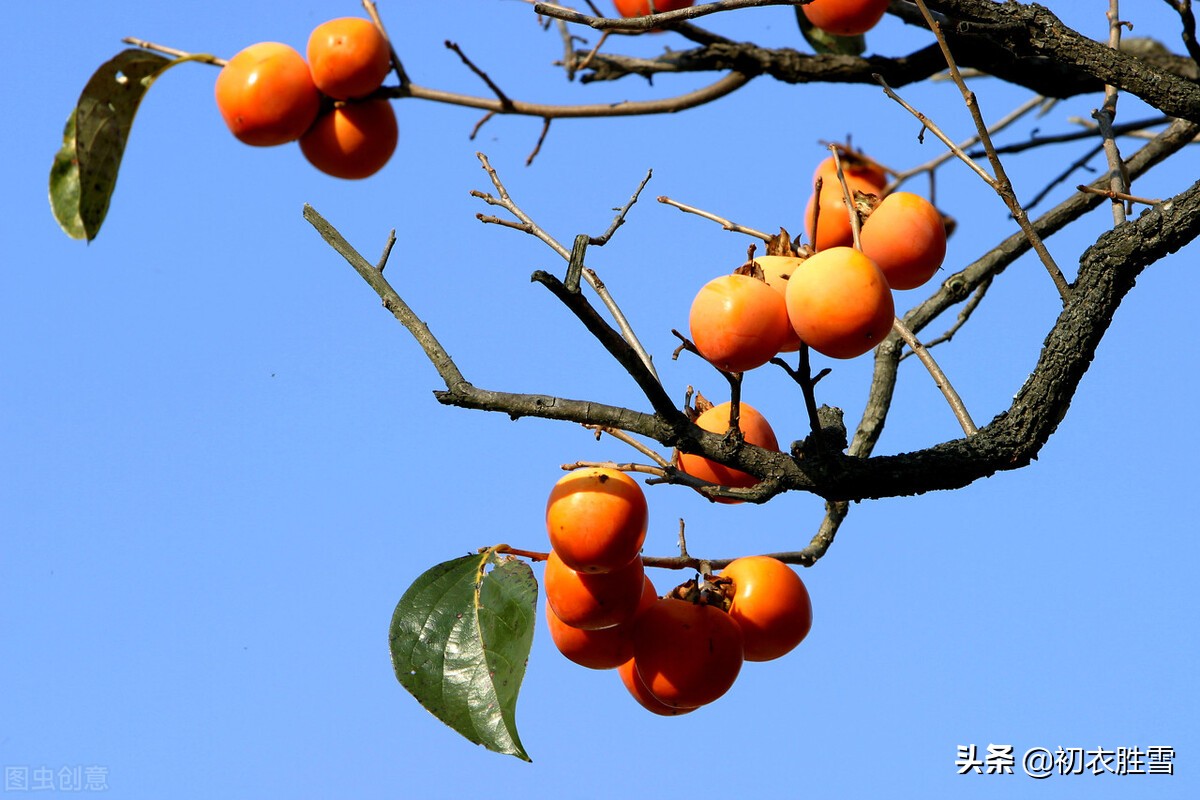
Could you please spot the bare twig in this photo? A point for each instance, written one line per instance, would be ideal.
(929, 166)
(619, 219)
(806, 557)
(629, 108)
(804, 378)
(537, 148)
(649, 22)
(529, 226)
(478, 125)
(847, 198)
(387, 250)
(483, 76)
(1000, 183)
(591, 54)
(203, 58)
(629, 440)
(724, 223)
(1118, 179)
(1135, 128)
(575, 264)
(939, 377)
(397, 66)
(1077, 164)
(1119, 196)
(1188, 34)
(963, 316)
(644, 469)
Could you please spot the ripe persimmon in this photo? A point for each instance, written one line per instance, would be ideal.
(637, 688)
(738, 322)
(845, 17)
(905, 237)
(590, 601)
(597, 519)
(856, 169)
(348, 57)
(354, 140)
(771, 605)
(606, 648)
(829, 226)
(640, 8)
(687, 654)
(776, 271)
(755, 429)
(266, 95)
(840, 303)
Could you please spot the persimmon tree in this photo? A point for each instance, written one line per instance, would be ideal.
(461, 633)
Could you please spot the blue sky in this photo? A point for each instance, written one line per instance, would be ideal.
(223, 464)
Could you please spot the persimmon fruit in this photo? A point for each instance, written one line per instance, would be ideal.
(771, 605)
(687, 654)
(354, 140)
(593, 601)
(637, 688)
(755, 430)
(776, 271)
(640, 8)
(845, 17)
(855, 168)
(606, 648)
(266, 95)
(738, 322)
(597, 519)
(348, 57)
(840, 303)
(829, 226)
(905, 237)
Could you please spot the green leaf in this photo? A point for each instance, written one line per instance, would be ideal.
(64, 184)
(84, 172)
(460, 638)
(827, 43)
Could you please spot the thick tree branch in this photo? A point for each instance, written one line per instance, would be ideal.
(1025, 45)
(960, 285)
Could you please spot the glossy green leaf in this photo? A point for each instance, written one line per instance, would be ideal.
(460, 638)
(84, 172)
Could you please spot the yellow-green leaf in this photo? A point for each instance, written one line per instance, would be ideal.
(84, 172)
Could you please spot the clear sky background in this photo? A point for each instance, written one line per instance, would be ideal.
(222, 463)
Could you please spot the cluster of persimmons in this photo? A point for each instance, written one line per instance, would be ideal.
(829, 295)
(684, 650)
(269, 94)
(674, 653)
(839, 17)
